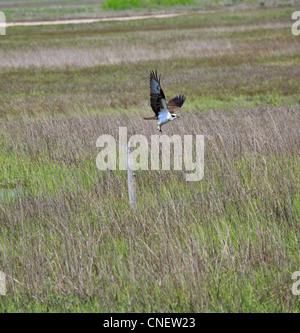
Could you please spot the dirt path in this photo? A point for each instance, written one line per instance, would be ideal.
(91, 20)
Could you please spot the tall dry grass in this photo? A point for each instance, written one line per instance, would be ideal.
(227, 243)
(149, 46)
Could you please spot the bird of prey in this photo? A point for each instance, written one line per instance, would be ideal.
(163, 112)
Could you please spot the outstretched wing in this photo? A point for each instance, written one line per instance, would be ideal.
(157, 96)
(175, 103)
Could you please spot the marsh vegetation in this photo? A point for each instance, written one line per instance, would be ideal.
(69, 240)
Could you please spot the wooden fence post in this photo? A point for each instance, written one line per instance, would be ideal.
(131, 178)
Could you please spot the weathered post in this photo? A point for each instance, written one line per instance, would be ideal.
(2, 24)
(131, 178)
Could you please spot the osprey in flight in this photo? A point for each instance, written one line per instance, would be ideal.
(163, 112)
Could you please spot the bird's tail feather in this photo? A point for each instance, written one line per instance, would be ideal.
(150, 118)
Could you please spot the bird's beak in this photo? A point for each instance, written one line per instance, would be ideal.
(178, 116)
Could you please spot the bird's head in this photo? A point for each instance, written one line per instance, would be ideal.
(175, 116)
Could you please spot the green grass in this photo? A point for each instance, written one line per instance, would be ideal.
(127, 4)
(69, 241)
(45, 10)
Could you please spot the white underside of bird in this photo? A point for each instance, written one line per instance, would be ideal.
(164, 116)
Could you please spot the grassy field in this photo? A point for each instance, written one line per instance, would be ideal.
(17, 10)
(69, 241)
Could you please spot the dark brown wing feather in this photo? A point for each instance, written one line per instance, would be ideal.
(175, 103)
(156, 93)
